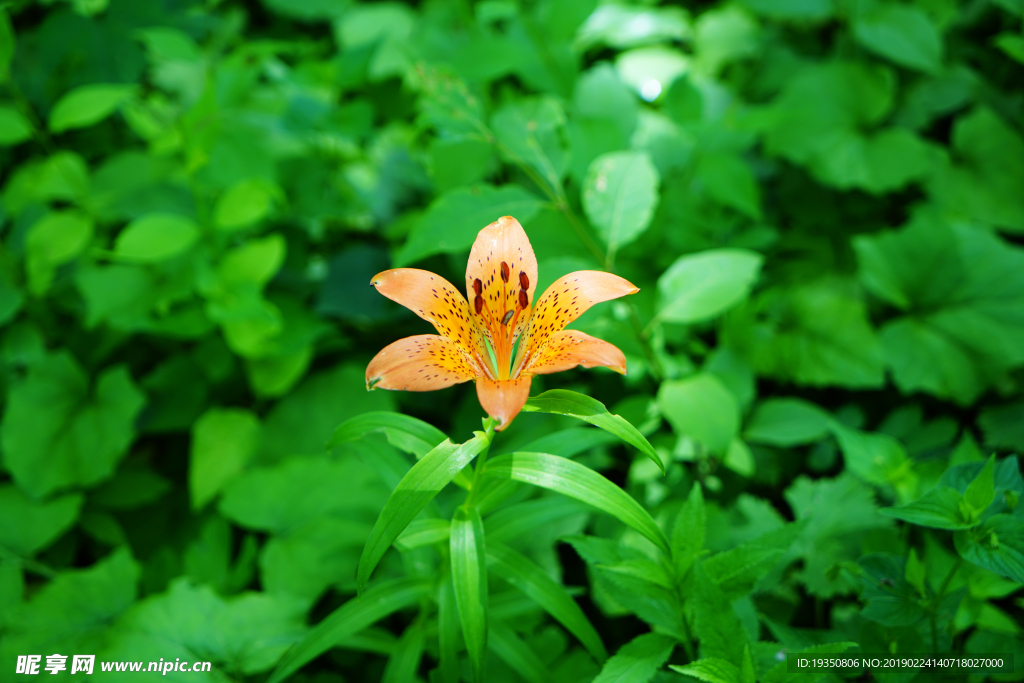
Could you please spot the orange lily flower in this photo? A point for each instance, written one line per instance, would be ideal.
(477, 340)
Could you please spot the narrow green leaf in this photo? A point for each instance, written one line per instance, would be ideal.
(582, 407)
(638, 660)
(578, 481)
(940, 508)
(421, 532)
(469, 577)
(404, 661)
(982, 490)
(522, 573)
(87, 105)
(402, 431)
(517, 653)
(448, 630)
(689, 529)
(710, 670)
(355, 615)
(7, 43)
(521, 519)
(417, 488)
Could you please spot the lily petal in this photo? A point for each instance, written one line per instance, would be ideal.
(569, 348)
(434, 299)
(503, 262)
(422, 363)
(503, 398)
(564, 301)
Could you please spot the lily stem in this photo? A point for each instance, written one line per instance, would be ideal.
(481, 461)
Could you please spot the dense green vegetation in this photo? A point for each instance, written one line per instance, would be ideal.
(822, 202)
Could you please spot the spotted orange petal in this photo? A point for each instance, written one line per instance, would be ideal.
(501, 278)
(503, 398)
(567, 349)
(422, 363)
(434, 299)
(564, 301)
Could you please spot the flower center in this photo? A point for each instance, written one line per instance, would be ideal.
(501, 325)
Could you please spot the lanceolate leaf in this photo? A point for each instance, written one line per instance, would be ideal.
(522, 573)
(582, 407)
(578, 481)
(402, 431)
(996, 545)
(515, 652)
(355, 615)
(417, 488)
(406, 656)
(469, 576)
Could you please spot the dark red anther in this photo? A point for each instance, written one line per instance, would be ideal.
(478, 288)
(505, 272)
(478, 302)
(524, 280)
(505, 318)
(524, 301)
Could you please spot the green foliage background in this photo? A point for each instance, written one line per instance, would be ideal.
(822, 202)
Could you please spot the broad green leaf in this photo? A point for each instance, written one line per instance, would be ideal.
(620, 194)
(981, 491)
(254, 262)
(701, 286)
(990, 168)
(583, 407)
(701, 407)
(710, 670)
(940, 508)
(996, 545)
(876, 458)
(786, 422)
(246, 633)
(376, 603)
(518, 654)
(903, 33)
(27, 526)
(976, 282)
(722, 35)
(811, 334)
(620, 26)
(417, 488)
(802, 10)
(638, 660)
(715, 622)
(1012, 44)
(729, 181)
(405, 658)
(421, 532)
(577, 481)
(75, 609)
(469, 577)
(915, 573)
(156, 237)
(14, 127)
(54, 239)
(780, 672)
(891, 601)
(640, 570)
(453, 220)
(529, 132)
(522, 573)
(689, 530)
(245, 203)
(57, 431)
(1002, 425)
(402, 431)
(447, 104)
(223, 442)
(87, 105)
